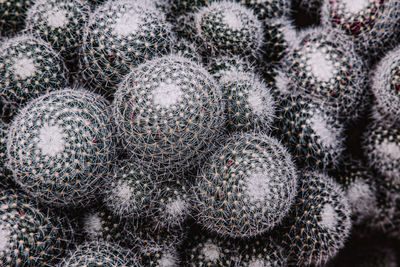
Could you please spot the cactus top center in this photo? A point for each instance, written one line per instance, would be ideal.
(258, 187)
(51, 140)
(176, 207)
(167, 260)
(210, 251)
(232, 20)
(127, 24)
(328, 136)
(24, 67)
(57, 17)
(329, 217)
(389, 149)
(258, 263)
(256, 102)
(320, 64)
(4, 238)
(167, 94)
(355, 6)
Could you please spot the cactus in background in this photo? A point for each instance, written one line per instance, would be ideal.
(246, 188)
(249, 102)
(100, 254)
(60, 24)
(318, 223)
(168, 111)
(325, 67)
(315, 138)
(60, 147)
(373, 25)
(155, 255)
(261, 252)
(28, 69)
(121, 35)
(12, 15)
(217, 66)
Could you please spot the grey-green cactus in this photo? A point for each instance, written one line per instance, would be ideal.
(60, 147)
(246, 188)
(155, 255)
(12, 15)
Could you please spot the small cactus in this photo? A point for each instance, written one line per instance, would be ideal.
(60, 147)
(246, 188)
(155, 255)
(12, 15)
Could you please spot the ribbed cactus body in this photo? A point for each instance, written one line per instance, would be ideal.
(60, 147)
(246, 188)
(311, 7)
(3, 146)
(12, 15)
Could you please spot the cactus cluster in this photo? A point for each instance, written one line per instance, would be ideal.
(60, 146)
(12, 15)
(247, 186)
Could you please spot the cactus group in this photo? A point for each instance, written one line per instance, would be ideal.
(12, 15)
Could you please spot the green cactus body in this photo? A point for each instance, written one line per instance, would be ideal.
(29, 68)
(168, 111)
(60, 147)
(12, 15)
(315, 138)
(246, 188)
(60, 24)
(121, 35)
(319, 223)
(261, 253)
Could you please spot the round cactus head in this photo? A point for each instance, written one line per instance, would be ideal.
(155, 255)
(261, 252)
(12, 15)
(168, 111)
(121, 35)
(268, 9)
(319, 221)
(246, 188)
(60, 146)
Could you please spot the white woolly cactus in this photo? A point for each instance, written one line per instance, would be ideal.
(325, 67)
(319, 222)
(59, 23)
(249, 102)
(60, 147)
(168, 111)
(246, 188)
(12, 15)
(373, 25)
(261, 252)
(155, 255)
(121, 35)
(28, 69)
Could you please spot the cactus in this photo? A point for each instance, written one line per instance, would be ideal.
(12, 15)
(260, 253)
(249, 102)
(315, 138)
(246, 188)
(59, 23)
(168, 111)
(373, 25)
(100, 254)
(3, 146)
(325, 67)
(121, 35)
(385, 84)
(60, 147)
(158, 256)
(318, 223)
(217, 66)
(29, 68)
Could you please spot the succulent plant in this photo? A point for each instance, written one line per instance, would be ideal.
(12, 15)
(246, 188)
(319, 222)
(373, 25)
(121, 35)
(100, 254)
(314, 137)
(217, 66)
(155, 255)
(28, 69)
(60, 147)
(60, 24)
(168, 111)
(3, 145)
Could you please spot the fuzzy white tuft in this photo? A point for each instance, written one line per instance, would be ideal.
(257, 187)
(389, 150)
(259, 263)
(92, 224)
(327, 135)
(177, 207)
(321, 67)
(282, 83)
(167, 260)
(127, 24)
(231, 19)
(362, 199)
(57, 17)
(4, 238)
(24, 67)
(51, 140)
(123, 192)
(329, 217)
(256, 102)
(210, 252)
(355, 6)
(167, 94)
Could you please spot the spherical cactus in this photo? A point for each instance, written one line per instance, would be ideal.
(100, 254)
(60, 147)
(319, 222)
(385, 84)
(315, 138)
(228, 28)
(29, 68)
(60, 23)
(249, 102)
(268, 9)
(371, 24)
(246, 188)
(325, 67)
(121, 35)
(168, 111)
(12, 15)
(261, 253)
(155, 255)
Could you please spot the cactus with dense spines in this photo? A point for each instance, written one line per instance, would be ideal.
(373, 25)
(249, 102)
(121, 35)
(12, 15)
(28, 69)
(187, 49)
(246, 188)
(315, 138)
(60, 147)
(168, 111)
(3, 146)
(217, 66)
(59, 23)
(325, 67)
(155, 255)
(319, 222)
(100, 254)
